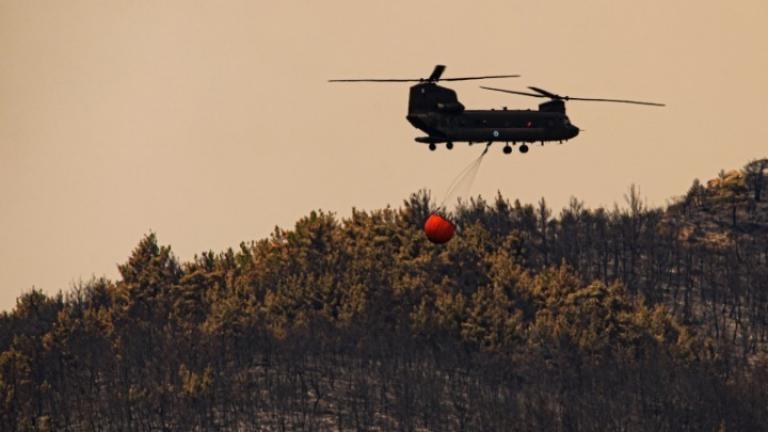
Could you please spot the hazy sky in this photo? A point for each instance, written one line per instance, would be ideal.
(210, 123)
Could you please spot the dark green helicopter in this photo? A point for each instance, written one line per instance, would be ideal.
(437, 111)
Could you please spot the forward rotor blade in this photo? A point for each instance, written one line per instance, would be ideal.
(513, 92)
(425, 79)
(377, 80)
(615, 100)
(479, 77)
(437, 73)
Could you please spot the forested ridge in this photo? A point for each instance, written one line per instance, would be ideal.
(630, 318)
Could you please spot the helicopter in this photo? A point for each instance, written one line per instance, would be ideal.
(436, 110)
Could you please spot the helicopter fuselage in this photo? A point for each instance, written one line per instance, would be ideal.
(437, 111)
(493, 126)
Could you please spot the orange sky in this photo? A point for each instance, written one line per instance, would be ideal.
(212, 122)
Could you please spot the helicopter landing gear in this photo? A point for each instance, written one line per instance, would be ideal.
(507, 149)
(449, 145)
(432, 146)
(524, 148)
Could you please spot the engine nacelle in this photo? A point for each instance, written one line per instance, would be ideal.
(450, 107)
(553, 106)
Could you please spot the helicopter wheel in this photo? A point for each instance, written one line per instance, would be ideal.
(432, 146)
(524, 148)
(449, 145)
(507, 149)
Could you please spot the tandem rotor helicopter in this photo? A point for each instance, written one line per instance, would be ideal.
(437, 111)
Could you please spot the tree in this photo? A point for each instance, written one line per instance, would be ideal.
(754, 173)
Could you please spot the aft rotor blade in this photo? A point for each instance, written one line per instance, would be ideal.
(546, 93)
(512, 91)
(479, 77)
(616, 100)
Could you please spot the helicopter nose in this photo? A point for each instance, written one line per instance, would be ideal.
(573, 130)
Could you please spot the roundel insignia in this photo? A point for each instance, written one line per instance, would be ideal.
(496, 134)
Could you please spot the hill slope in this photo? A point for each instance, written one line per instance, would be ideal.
(631, 319)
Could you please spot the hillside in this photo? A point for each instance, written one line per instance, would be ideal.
(731, 207)
(629, 319)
